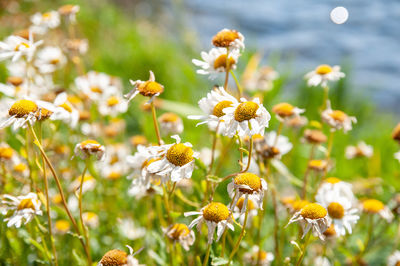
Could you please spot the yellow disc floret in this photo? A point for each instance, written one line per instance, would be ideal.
(22, 108)
(178, 230)
(6, 153)
(332, 180)
(114, 257)
(250, 204)
(222, 61)
(313, 211)
(169, 118)
(20, 167)
(216, 212)
(338, 115)
(26, 204)
(224, 38)
(336, 210)
(246, 111)
(150, 88)
(112, 101)
(217, 111)
(179, 154)
(283, 109)
(62, 225)
(250, 180)
(373, 205)
(323, 69)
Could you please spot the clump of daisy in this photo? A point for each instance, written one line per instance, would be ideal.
(149, 88)
(97, 85)
(170, 123)
(245, 118)
(322, 74)
(285, 111)
(182, 234)
(118, 257)
(337, 119)
(216, 216)
(256, 256)
(227, 38)
(22, 209)
(361, 150)
(312, 216)
(41, 23)
(89, 147)
(374, 206)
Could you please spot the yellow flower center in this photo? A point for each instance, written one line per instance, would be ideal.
(315, 136)
(180, 230)
(46, 15)
(330, 231)
(21, 108)
(373, 205)
(250, 204)
(20, 167)
(26, 204)
(6, 153)
(297, 205)
(217, 111)
(112, 101)
(89, 141)
(114, 257)
(246, 111)
(338, 115)
(179, 154)
(43, 114)
(57, 199)
(260, 255)
(150, 88)
(66, 9)
(216, 212)
(138, 140)
(396, 132)
(96, 89)
(66, 106)
(169, 118)
(90, 216)
(323, 69)
(21, 44)
(114, 175)
(224, 38)
(317, 164)
(250, 180)
(15, 81)
(55, 61)
(148, 162)
(336, 210)
(313, 211)
(62, 225)
(332, 180)
(221, 62)
(283, 109)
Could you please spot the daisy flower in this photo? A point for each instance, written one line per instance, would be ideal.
(312, 216)
(337, 119)
(341, 188)
(374, 206)
(182, 234)
(69, 11)
(318, 165)
(49, 59)
(42, 22)
(296, 122)
(216, 216)
(137, 140)
(286, 111)
(96, 85)
(321, 261)
(322, 74)
(394, 259)
(227, 38)
(15, 87)
(113, 105)
(216, 61)
(89, 183)
(23, 208)
(19, 167)
(275, 146)
(15, 47)
(115, 163)
(361, 150)
(78, 46)
(7, 154)
(257, 257)
(260, 80)
(170, 123)
(61, 227)
(149, 88)
(245, 118)
(340, 210)
(129, 230)
(90, 219)
(177, 160)
(239, 209)
(89, 147)
(213, 105)
(119, 257)
(246, 184)
(205, 155)
(314, 136)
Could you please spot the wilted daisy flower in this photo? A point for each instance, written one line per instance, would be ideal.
(22, 208)
(394, 259)
(314, 136)
(341, 188)
(216, 216)
(91, 219)
(260, 80)
(322, 74)
(113, 105)
(170, 123)
(245, 118)
(318, 165)
(15, 47)
(312, 216)
(118, 257)
(42, 22)
(340, 209)
(89, 183)
(275, 146)
(246, 184)
(177, 160)
(149, 88)
(182, 234)
(96, 85)
(239, 209)
(337, 119)
(49, 59)
(216, 61)
(228, 39)
(61, 227)
(69, 11)
(256, 257)
(361, 150)
(296, 122)
(285, 111)
(213, 105)
(396, 133)
(89, 147)
(374, 206)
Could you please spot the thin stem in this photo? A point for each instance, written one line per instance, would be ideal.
(214, 145)
(303, 252)
(166, 203)
(328, 153)
(240, 89)
(207, 254)
(276, 222)
(278, 133)
(153, 112)
(46, 252)
(250, 154)
(59, 187)
(305, 178)
(369, 236)
(227, 67)
(235, 249)
(326, 97)
(85, 233)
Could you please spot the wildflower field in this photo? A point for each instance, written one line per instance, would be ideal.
(122, 143)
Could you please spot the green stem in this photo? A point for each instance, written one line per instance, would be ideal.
(235, 249)
(153, 112)
(207, 254)
(84, 231)
(227, 67)
(305, 178)
(303, 252)
(240, 89)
